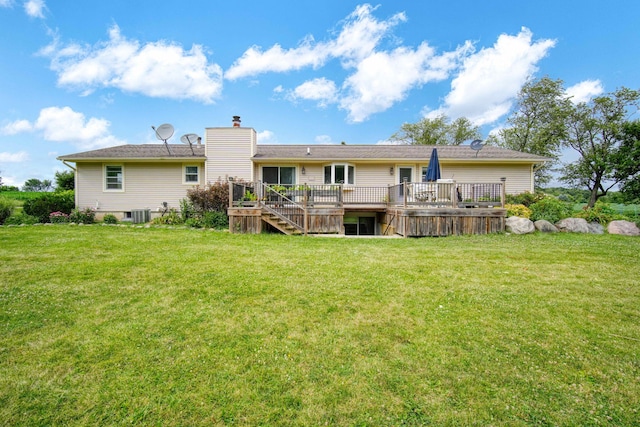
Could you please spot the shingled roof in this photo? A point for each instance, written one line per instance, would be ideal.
(310, 153)
(140, 152)
(388, 152)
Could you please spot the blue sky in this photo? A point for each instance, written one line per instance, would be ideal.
(80, 75)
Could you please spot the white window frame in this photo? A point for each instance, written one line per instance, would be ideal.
(333, 173)
(185, 174)
(105, 177)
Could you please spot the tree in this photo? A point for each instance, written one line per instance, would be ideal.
(628, 161)
(596, 131)
(34, 184)
(437, 131)
(537, 124)
(65, 180)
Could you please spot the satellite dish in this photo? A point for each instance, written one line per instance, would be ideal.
(189, 138)
(476, 145)
(164, 132)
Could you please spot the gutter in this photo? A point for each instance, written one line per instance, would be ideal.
(69, 166)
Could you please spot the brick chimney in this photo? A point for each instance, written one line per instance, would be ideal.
(236, 121)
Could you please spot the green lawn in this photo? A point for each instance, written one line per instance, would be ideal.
(130, 326)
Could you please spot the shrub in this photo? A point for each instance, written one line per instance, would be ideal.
(21, 218)
(217, 220)
(518, 210)
(6, 209)
(601, 213)
(45, 203)
(212, 197)
(170, 218)
(84, 216)
(58, 217)
(110, 219)
(525, 198)
(550, 209)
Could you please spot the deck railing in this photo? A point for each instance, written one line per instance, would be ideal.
(416, 194)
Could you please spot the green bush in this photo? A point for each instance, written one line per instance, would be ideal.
(170, 218)
(6, 209)
(525, 198)
(551, 209)
(110, 219)
(518, 210)
(45, 203)
(217, 220)
(84, 216)
(21, 218)
(601, 213)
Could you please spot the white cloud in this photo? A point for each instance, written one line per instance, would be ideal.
(384, 78)
(360, 35)
(266, 137)
(19, 157)
(321, 90)
(159, 69)
(35, 8)
(62, 124)
(489, 81)
(18, 126)
(324, 140)
(584, 91)
(6, 3)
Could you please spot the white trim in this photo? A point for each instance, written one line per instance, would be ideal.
(184, 173)
(333, 165)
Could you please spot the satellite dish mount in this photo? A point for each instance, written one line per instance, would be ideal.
(163, 133)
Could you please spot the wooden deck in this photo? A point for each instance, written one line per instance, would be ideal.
(322, 211)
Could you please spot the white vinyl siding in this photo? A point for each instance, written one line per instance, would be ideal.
(147, 185)
(519, 177)
(229, 152)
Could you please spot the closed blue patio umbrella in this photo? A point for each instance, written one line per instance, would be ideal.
(433, 171)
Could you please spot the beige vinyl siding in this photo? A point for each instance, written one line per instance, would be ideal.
(146, 186)
(519, 176)
(229, 152)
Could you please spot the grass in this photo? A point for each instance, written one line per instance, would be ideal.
(121, 326)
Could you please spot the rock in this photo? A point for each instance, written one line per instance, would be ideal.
(595, 228)
(573, 225)
(518, 225)
(626, 228)
(545, 226)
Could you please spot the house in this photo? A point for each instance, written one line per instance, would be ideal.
(152, 177)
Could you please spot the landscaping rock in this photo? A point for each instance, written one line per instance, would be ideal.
(595, 228)
(573, 225)
(545, 226)
(518, 225)
(626, 228)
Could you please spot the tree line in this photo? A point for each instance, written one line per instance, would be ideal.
(544, 121)
(64, 180)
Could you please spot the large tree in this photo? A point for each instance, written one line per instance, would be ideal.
(595, 130)
(34, 184)
(65, 180)
(628, 161)
(437, 131)
(537, 124)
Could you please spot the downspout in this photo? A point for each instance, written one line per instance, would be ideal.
(69, 166)
(75, 182)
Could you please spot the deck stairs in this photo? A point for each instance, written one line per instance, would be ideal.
(280, 222)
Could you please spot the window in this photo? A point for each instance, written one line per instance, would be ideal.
(114, 177)
(282, 175)
(191, 175)
(340, 174)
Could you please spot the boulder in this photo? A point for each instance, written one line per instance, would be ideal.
(518, 225)
(626, 228)
(573, 225)
(545, 226)
(595, 228)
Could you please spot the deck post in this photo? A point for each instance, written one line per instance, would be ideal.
(503, 190)
(404, 192)
(230, 192)
(305, 197)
